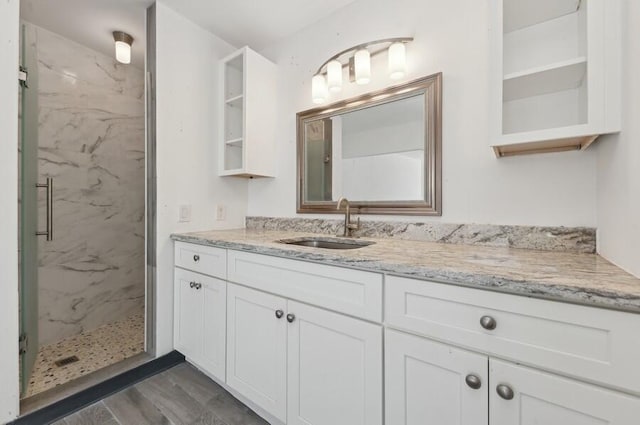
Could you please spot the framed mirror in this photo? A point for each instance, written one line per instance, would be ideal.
(382, 151)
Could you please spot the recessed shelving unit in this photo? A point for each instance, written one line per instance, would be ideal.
(520, 14)
(555, 74)
(248, 122)
(235, 101)
(235, 142)
(541, 80)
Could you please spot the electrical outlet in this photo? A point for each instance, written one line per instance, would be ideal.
(221, 212)
(185, 214)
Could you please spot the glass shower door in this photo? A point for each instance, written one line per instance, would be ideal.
(28, 207)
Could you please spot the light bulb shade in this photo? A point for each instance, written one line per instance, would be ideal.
(362, 65)
(319, 93)
(334, 76)
(123, 46)
(397, 61)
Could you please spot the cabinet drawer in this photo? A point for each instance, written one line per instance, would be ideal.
(585, 342)
(202, 259)
(353, 292)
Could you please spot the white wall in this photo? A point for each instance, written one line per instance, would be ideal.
(187, 118)
(9, 41)
(452, 37)
(619, 161)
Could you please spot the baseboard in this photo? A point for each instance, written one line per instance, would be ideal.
(99, 391)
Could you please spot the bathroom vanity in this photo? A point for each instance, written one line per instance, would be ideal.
(407, 332)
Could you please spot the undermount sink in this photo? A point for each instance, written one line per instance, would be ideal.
(327, 243)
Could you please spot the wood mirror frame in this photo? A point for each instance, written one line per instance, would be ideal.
(431, 87)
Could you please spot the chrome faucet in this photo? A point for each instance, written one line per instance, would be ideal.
(349, 227)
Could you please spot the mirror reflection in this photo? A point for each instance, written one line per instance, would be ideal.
(370, 154)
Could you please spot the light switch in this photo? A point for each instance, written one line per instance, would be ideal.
(185, 213)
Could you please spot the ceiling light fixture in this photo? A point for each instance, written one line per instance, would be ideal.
(358, 61)
(123, 46)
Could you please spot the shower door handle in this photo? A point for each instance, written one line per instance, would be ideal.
(49, 186)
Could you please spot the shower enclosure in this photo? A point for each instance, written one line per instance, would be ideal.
(82, 210)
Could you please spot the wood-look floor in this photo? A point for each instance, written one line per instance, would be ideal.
(179, 396)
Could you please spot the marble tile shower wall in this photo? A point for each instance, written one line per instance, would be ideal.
(91, 142)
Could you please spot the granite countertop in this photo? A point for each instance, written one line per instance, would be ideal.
(563, 276)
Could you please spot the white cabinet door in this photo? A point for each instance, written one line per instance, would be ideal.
(335, 369)
(214, 293)
(200, 317)
(257, 348)
(425, 383)
(542, 398)
(188, 314)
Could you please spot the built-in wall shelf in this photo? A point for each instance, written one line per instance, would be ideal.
(555, 77)
(235, 142)
(235, 101)
(520, 14)
(247, 133)
(555, 74)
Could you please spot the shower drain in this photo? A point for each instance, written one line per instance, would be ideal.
(66, 361)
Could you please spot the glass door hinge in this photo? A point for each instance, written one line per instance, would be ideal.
(23, 75)
(23, 343)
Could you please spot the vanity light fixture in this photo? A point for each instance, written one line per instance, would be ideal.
(334, 76)
(319, 92)
(362, 66)
(357, 59)
(123, 46)
(397, 61)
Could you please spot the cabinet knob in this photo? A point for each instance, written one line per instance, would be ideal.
(488, 322)
(504, 391)
(196, 257)
(473, 381)
(192, 285)
(279, 314)
(198, 285)
(291, 317)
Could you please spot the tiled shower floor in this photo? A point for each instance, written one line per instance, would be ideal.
(95, 349)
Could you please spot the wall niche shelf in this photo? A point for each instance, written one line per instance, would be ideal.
(520, 14)
(555, 74)
(541, 80)
(247, 133)
(235, 142)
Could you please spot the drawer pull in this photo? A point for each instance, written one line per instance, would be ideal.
(488, 322)
(196, 257)
(504, 391)
(279, 314)
(291, 317)
(473, 381)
